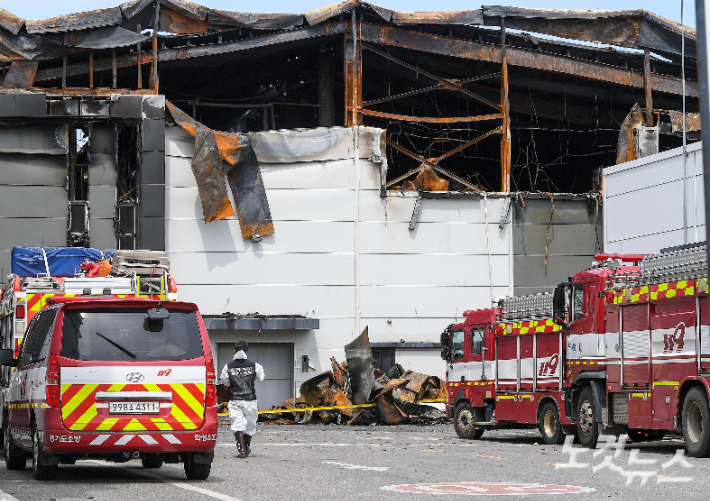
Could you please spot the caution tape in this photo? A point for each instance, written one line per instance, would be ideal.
(335, 407)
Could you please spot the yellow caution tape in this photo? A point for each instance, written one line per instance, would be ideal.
(312, 409)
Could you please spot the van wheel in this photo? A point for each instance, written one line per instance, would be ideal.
(14, 458)
(463, 422)
(152, 461)
(696, 423)
(587, 429)
(549, 424)
(41, 471)
(196, 471)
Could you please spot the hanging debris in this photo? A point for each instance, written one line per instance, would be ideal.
(355, 392)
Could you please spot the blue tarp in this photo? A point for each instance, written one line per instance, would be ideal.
(63, 261)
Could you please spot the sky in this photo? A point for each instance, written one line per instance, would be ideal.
(43, 9)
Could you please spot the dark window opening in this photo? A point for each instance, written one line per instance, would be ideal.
(128, 153)
(78, 186)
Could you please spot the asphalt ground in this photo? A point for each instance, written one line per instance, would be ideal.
(316, 462)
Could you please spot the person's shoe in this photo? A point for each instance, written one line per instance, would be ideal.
(247, 442)
(239, 435)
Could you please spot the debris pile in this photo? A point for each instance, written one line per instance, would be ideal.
(388, 399)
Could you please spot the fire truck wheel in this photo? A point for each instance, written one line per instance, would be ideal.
(549, 424)
(463, 422)
(14, 459)
(587, 429)
(696, 423)
(40, 471)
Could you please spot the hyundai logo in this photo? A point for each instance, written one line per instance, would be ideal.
(135, 377)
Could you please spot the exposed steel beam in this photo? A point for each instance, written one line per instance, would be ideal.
(437, 120)
(648, 86)
(556, 63)
(505, 108)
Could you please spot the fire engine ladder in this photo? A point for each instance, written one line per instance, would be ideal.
(524, 309)
(683, 264)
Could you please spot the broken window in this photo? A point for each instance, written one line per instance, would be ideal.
(127, 156)
(78, 186)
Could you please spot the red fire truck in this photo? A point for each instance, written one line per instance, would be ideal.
(637, 357)
(506, 369)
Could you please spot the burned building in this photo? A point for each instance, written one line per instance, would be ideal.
(345, 167)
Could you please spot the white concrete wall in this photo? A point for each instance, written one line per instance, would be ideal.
(339, 253)
(651, 203)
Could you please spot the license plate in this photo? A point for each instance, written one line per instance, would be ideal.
(134, 408)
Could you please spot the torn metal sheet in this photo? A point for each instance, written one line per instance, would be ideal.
(108, 37)
(361, 367)
(21, 75)
(10, 22)
(386, 411)
(625, 148)
(312, 391)
(209, 174)
(78, 21)
(250, 195)
(30, 48)
(256, 21)
(341, 376)
(692, 121)
(212, 150)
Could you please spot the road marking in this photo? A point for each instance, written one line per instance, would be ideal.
(426, 439)
(4, 496)
(490, 457)
(181, 485)
(430, 450)
(489, 489)
(357, 466)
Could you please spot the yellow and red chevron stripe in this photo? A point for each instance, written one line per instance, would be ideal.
(667, 290)
(529, 327)
(36, 302)
(79, 412)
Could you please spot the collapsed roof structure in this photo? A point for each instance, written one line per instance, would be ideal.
(498, 99)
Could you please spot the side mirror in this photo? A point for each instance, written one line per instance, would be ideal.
(559, 303)
(445, 348)
(7, 358)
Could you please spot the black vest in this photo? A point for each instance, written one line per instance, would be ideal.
(242, 374)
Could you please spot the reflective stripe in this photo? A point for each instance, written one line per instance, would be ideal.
(124, 439)
(99, 440)
(172, 439)
(148, 439)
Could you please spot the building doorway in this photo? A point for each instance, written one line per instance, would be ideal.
(277, 360)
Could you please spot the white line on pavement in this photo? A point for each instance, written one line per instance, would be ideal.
(357, 466)
(181, 485)
(4, 496)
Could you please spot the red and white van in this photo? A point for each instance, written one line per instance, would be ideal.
(112, 379)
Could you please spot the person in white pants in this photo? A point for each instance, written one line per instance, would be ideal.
(240, 375)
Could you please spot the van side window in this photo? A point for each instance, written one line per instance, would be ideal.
(577, 301)
(38, 339)
(477, 342)
(456, 345)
